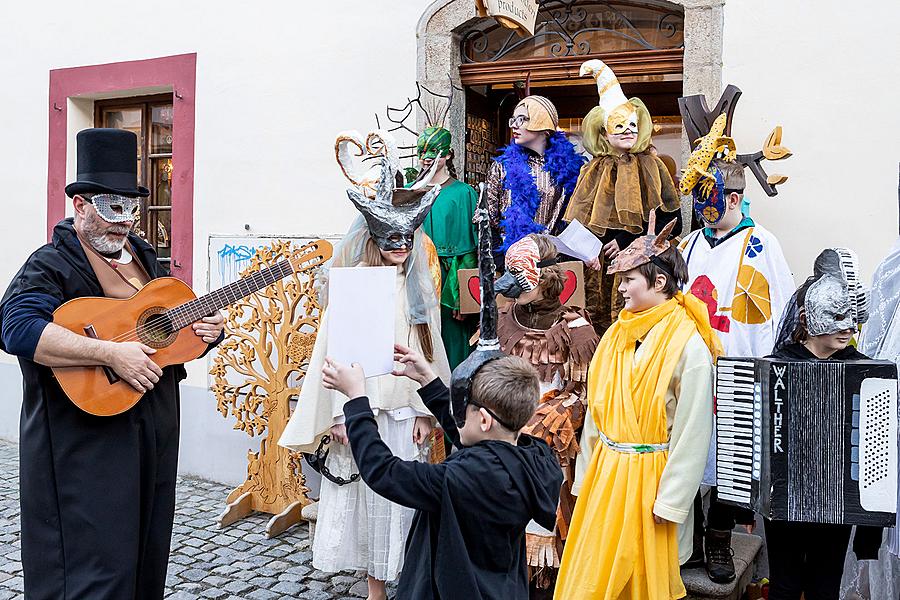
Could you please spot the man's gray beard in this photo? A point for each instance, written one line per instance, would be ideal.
(103, 245)
(99, 241)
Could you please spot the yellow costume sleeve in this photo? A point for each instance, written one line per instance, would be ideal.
(434, 263)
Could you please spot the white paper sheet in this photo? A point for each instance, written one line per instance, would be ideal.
(577, 241)
(361, 306)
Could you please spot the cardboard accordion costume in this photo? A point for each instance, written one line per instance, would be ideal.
(822, 440)
(559, 342)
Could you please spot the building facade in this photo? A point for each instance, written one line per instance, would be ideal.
(238, 108)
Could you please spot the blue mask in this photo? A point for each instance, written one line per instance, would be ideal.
(710, 207)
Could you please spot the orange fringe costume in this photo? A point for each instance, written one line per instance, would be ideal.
(559, 342)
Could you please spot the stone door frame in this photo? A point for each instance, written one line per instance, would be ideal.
(437, 54)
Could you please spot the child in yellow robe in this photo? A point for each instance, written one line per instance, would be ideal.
(646, 437)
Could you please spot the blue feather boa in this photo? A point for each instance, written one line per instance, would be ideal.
(560, 161)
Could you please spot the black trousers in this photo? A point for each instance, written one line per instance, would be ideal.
(98, 496)
(720, 516)
(805, 558)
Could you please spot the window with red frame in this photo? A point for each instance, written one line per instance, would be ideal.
(150, 118)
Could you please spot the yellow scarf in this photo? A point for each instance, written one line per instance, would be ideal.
(615, 550)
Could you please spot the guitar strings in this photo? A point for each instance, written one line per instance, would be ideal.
(181, 311)
(134, 335)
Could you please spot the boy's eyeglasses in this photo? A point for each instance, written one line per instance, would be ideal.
(518, 121)
(493, 414)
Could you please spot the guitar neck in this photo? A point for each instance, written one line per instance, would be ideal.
(189, 312)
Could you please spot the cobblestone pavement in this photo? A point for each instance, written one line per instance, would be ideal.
(235, 563)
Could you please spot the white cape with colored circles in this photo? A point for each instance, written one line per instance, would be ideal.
(746, 283)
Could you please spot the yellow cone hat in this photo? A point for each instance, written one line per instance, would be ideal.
(620, 113)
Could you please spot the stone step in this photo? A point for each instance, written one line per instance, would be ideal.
(746, 550)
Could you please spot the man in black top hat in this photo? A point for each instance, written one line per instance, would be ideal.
(97, 493)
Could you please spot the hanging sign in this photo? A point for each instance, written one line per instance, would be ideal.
(519, 15)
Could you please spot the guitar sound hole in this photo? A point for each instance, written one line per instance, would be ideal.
(155, 328)
(158, 328)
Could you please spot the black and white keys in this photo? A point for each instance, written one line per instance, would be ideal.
(738, 429)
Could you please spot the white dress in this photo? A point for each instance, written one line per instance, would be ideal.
(357, 529)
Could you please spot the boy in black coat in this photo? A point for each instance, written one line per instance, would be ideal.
(467, 538)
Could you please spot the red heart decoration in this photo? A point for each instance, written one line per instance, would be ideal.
(475, 288)
(568, 287)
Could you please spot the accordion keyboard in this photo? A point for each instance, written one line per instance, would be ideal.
(738, 427)
(849, 266)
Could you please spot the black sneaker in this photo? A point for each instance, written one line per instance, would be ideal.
(719, 561)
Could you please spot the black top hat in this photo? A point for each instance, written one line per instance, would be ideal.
(107, 163)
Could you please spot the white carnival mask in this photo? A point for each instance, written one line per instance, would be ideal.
(113, 208)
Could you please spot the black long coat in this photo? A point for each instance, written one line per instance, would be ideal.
(97, 493)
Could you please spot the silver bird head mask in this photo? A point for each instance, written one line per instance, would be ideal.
(836, 300)
(395, 213)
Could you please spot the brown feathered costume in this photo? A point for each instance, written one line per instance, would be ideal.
(616, 191)
(559, 341)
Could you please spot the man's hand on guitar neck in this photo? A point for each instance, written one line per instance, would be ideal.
(210, 328)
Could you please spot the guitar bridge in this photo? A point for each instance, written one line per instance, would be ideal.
(110, 374)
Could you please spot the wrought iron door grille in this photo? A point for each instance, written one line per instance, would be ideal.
(578, 28)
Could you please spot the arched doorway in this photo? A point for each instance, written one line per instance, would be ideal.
(641, 41)
(660, 50)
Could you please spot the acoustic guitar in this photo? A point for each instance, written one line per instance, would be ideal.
(159, 315)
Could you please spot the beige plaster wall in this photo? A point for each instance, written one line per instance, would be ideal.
(827, 71)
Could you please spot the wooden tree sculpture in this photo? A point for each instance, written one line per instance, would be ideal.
(269, 340)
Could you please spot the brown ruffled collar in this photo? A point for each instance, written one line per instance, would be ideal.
(555, 349)
(541, 314)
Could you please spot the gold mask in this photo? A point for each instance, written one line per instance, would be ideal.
(622, 118)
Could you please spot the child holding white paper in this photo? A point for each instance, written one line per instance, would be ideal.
(356, 528)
